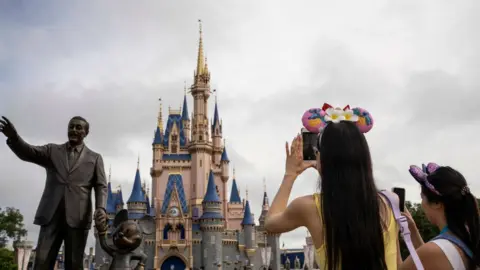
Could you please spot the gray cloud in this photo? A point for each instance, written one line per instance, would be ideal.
(413, 65)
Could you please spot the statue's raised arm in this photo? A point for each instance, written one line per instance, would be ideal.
(39, 155)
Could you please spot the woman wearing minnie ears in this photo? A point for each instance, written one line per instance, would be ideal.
(351, 224)
(449, 205)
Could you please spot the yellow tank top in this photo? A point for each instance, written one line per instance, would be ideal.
(389, 238)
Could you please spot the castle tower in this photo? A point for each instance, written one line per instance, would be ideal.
(211, 225)
(273, 240)
(200, 147)
(118, 198)
(111, 207)
(235, 206)
(224, 175)
(248, 225)
(201, 92)
(137, 203)
(217, 136)
(185, 117)
(265, 208)
(157, 152)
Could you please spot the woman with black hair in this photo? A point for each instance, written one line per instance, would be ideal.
(449, 205)
(351, 224)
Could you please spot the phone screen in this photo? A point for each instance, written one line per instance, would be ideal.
(309, 142)
(401, 195)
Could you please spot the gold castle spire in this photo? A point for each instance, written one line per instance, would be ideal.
(246, 193)
(201, 57)
(138, 162)
(160, 117)
(185, 88)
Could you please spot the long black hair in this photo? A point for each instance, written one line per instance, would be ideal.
(460, 206)
(350, 200)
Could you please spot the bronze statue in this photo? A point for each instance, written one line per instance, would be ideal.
(65, 209)
(127, 237)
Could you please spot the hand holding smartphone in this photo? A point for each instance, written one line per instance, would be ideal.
(309, 144)
(401, 195)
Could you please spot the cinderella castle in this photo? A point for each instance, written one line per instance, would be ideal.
(199, 224)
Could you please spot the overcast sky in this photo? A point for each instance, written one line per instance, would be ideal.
(413, 64)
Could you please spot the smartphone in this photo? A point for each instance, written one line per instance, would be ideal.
(401, 195)
(309, 144)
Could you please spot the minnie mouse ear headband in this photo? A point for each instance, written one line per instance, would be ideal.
(422, 174)
(316, 119)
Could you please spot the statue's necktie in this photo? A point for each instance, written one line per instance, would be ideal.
(71, 157)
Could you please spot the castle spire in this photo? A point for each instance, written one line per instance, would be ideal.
(201, 57)
(160, 117)
(211, 194)
(216, 117)
(247, 216)
(225, 155)
(264, 185)
(158, 134)
(185, 106)
(111, 204)
(110, 174)
(137, 194)
(138, 162)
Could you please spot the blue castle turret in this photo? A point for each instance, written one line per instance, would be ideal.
(224, 155)
(248, 224)
(212, 226)
(137, 203)
(234, 195)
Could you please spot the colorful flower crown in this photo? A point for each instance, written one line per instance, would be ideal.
(315, 120)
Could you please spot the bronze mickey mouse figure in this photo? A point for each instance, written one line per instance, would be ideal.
(127, 237)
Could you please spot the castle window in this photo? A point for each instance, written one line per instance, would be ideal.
(174, 143)
(200, 163)
(182, 231)
(212, 239)
(167, 228)
(253, 236)
(201, 138)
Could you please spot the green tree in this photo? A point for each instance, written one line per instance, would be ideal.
(11, 226)
(7, 259)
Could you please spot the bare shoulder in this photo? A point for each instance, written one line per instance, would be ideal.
(305, 205)
(304, 201)
(432, 257)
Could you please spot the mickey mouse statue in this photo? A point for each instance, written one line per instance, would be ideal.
(127, 237)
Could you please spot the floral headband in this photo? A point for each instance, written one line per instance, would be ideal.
(315, 120)
(422, 174)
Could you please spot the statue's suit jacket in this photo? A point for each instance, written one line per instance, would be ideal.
(73, 184)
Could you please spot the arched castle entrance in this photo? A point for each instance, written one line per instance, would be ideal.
(173, 263)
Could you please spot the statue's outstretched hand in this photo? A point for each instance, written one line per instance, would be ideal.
(7, 128)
